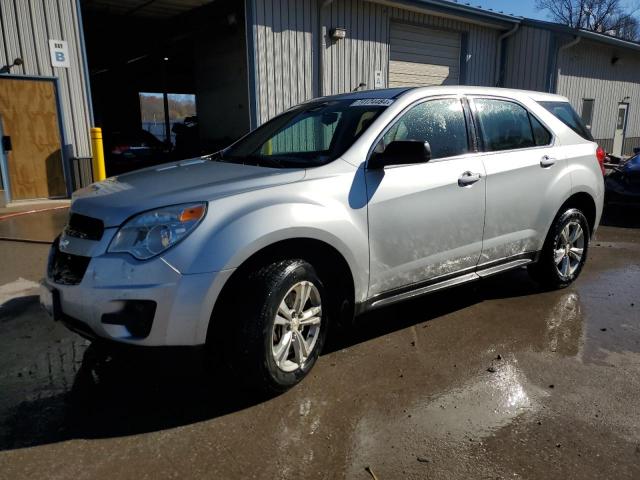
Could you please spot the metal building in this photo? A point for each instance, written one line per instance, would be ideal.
(45, 107)
(90, 63)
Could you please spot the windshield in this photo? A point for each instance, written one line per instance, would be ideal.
(310, 135)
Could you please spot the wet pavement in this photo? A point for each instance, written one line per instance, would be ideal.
(495, 380)
(39, 223)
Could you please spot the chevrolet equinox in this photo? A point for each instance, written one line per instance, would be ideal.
(337, 206)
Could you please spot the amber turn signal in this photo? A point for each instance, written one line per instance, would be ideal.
(192, 213)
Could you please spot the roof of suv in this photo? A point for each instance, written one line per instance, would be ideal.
(389, 93)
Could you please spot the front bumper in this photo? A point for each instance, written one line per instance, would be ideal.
(184, 303)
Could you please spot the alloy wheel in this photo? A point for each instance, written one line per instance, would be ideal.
(296, 327)
(569, 248)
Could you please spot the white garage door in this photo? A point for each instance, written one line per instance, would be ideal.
(421, 56)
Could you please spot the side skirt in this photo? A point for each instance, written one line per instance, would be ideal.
(447, 281)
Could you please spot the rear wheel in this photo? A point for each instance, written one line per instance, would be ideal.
(282, 326)
(564, 252)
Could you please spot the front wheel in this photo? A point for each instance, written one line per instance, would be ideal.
(282, 328)
(564, 252)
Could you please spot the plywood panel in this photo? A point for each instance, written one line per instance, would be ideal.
(30, 118)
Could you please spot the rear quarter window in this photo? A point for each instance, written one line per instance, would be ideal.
(564, 112)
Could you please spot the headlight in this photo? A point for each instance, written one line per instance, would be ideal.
(151, 233)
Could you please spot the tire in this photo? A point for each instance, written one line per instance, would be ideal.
(564, 252)
(277, 341)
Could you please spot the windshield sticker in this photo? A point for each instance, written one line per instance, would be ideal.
(372, 102)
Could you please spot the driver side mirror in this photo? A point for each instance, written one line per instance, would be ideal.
(401, 152)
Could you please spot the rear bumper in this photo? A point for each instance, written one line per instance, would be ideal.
(184, 303)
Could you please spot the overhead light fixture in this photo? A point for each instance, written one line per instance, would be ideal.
(338, 33)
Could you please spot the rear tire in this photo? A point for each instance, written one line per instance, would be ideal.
(564, 252)
(282, 326)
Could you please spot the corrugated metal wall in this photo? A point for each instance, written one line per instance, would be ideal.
(27, 26)
(527, 54)
(586, 71)
(286, 43)
(482, 43)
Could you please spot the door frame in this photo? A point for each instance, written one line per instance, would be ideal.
(63, 139)
(624, 127)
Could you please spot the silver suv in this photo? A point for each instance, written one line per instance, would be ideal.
(338, 206)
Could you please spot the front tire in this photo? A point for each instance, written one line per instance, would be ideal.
(282, 327)
(564, 252)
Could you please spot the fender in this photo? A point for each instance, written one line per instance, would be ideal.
(235, 230)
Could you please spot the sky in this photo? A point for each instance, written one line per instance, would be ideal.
(521, 8)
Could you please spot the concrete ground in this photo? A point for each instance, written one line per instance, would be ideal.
(38, 222)
(496, 380)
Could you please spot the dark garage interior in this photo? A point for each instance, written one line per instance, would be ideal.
(168, 78)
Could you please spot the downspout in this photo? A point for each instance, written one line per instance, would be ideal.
(564, 47)
(322, 45)
(499, 53)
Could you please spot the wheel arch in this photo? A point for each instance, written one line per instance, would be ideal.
(584, 202)
(330, 263)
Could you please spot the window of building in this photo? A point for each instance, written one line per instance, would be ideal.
(504, 125)
(587, 112)
(439, 122)
(182, 110)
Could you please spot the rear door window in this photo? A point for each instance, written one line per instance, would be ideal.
(564, 112)
(504, 125)
(541, 135)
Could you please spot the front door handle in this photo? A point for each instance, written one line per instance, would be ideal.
(547, 161)
(468, 178)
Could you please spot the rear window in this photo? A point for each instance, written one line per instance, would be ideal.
(564, 112)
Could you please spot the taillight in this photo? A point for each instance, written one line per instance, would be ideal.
(601, 155)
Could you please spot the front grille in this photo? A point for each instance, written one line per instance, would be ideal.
(87, 228)
(64, 268)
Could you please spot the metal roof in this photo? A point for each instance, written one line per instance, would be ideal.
(587, 34)
(143, 8)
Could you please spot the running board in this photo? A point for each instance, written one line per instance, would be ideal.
(503, 267)
(480, 273)
(469, 277)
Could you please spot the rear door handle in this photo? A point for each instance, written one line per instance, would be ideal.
(468, 178)
(547, 161)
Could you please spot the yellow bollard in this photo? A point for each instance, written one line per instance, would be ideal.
(97, 148)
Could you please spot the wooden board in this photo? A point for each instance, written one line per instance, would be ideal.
(29, 116)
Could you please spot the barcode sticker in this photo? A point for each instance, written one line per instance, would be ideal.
(372, 102)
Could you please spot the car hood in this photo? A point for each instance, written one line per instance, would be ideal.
(118, 198)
